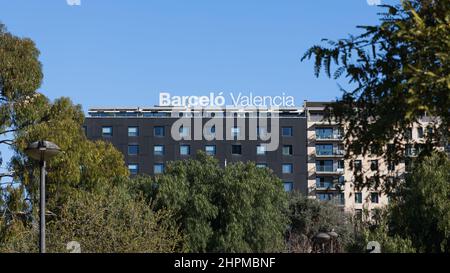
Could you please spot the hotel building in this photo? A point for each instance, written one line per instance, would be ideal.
(144, 136)
(310, 157)
(332, 176)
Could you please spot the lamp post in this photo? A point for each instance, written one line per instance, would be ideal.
(333, 236)
(42, 151)
(322, 238)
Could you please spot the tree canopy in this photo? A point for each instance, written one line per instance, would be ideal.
(20, 76)
(421, 209)
(239, 208)
(398, 72)
(308, 217)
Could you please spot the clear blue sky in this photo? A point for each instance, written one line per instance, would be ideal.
(123, 53)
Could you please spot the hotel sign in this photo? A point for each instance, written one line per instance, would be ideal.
(239, 100)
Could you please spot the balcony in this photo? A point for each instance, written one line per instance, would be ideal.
(329, 183)
(329, 137)
(328, 170)
(334, 198)
(329, 153)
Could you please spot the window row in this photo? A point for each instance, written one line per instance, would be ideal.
(374, 198)
(159, 150)
(337, 198)
(160, 131)
(420, 132)
(158, 168)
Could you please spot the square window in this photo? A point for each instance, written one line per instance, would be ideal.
(159, 131)
(341, 165)
(286, 131)
(185, 150)
(236, 149)
(374, 165)
(158, 150)
(185, 132)
(420, 132)
(210, 150)
(374, 197)
(107, 131)
(391, 166)
(358, 198)
(261, 150)
(133, 149)
(133, 131)
(133, 169)
(287, 150)
(261, 165)
(341, 180)
(358, 165)
(287, 168)
(158, 168)
(288, 186)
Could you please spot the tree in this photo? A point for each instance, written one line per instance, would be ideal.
(421, 210)
(20, 76)
(111, 220)
(83, 164)
(308, 217)
(235, 209)
(87, 184)
(398, 71)
(379, 230)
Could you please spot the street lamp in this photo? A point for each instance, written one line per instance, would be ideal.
(322, 238)
(42, 151)
(333, 236)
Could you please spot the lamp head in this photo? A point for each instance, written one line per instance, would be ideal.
(42, 150)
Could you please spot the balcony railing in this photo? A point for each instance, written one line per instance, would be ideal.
(328, 169)
(329, 137)
(324, 185)
(330, 153)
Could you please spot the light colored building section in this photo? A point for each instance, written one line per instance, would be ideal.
(331, 177)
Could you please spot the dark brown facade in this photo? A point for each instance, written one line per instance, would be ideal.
(139, 150)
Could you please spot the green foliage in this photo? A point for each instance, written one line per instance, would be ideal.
(20, 69)
(388, 243)
(235, 209)
(397, 71)
(83, 164)
(422, 209)
(87, 194)
(20, 76)
(308, 217)
(110, 220)
(379, 230)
